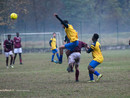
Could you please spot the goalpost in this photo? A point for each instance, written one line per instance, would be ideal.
(35, 41)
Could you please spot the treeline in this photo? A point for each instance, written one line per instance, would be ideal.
(86, 15)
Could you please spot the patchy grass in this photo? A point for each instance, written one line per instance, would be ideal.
(38, 77)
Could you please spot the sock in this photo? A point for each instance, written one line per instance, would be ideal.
(52, 58)
(20, 60)
(76, 75)
(61, 56)
(96, 73)
(91, 76)
(58, 56)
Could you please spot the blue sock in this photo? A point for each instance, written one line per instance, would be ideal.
(52, 58)
(61, 58)
(96, 73)
(58, 56)
(91, 76)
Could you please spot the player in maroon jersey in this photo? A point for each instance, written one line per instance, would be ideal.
(17, 48)
(8, 48)
(74, 58)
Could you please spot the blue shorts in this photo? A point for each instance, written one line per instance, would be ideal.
(71, 46)
(94, 63)
(54, 50)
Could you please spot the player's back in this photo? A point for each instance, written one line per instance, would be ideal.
(71, 33)
(96, 53)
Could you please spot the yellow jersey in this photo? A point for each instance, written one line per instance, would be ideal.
(71, 33)
(96, 52)
(53, 43)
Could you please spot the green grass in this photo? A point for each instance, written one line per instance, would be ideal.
(41, 78)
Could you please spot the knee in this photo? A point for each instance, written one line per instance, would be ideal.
(62, 47)
(89, 67)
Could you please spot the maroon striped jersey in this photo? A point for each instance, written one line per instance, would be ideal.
(17, 42)
(8, 45)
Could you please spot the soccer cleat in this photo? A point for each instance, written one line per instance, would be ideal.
(12, 66)
(91, 81)
(52, 61)
(99, 77)
(7, 67)
(21, 63)
(69, 69)
(56, 61)
(60, 62)
(76, 80)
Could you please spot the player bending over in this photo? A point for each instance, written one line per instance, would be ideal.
(97, 58)
(17, 48)
(53, 47)
(8, 48)
(71, 34)
(74, 59)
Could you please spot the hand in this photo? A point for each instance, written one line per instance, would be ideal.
(55, 14)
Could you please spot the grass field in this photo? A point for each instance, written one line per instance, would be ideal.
(38, 77)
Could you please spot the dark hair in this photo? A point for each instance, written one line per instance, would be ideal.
(54, 33)
(9, 35)
(66, 21)
(96, 36)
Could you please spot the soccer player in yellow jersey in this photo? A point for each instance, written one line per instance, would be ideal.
(54, 47)
(71, 34)
(97, 58)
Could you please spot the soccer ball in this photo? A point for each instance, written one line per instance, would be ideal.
(13, 16)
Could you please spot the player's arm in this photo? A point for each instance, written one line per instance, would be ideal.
(4, 44)
(12, 44)
(91, 48)
(50, 42)
(65, 40)
(62, 22)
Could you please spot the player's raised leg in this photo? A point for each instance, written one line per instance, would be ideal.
(61, 53)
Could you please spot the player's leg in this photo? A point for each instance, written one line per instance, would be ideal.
(20, 55)
(20, 58)
(61, 53)
(57, 54)
(77, 61)
(93, 64)
(71, 61)
(7, 59)
(11, 61)
(15, 55)
(76, 72)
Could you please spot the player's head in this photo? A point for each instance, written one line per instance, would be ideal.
(17, 34)
(95, 37)
(66, 22)
(54, 34)
(9, 36)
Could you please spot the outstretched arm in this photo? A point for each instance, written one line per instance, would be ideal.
(62, 22)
